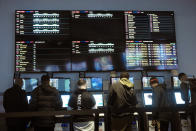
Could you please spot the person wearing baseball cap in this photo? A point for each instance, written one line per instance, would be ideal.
(161, 99)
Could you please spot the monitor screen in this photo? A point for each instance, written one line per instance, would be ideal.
(65, 99)
(29, 84)
(148, 99)
(94, 40)
(28, 98)
(94, 84)
(176, 82)
(98, 99)
(60, 84)
(146, 81)
(116, 79)
(178, 98)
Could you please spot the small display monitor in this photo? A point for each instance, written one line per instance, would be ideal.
(116, 79)
(146, 81)
(65, 99)
(148, 99)
(176, 82)
(178, 98)
(98, 99)
(29, 84)
(28, 98)
(61, 84)
(94, 84)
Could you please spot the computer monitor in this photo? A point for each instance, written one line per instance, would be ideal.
(178, 98)
(116, 79)
(29, 84)
(94, 84)
(147, 98)
(65, 99)
(98, 99)
(61, 84)
(146, 81)
(28, 98)
(176, 82)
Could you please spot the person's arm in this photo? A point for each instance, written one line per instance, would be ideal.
(156, 102)
(59, 101)
(72, 102)
(184, 92)
(33, 101)
(111, 96)
(5, 101)
(92, 102)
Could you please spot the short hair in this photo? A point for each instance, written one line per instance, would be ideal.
(18, 81)
(153, 80)
(124, 75)
(81, 82)
(181, 75)
(45, 78)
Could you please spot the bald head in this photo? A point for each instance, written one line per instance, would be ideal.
(19, 82)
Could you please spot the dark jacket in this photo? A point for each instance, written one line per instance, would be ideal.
(160, 99)
(121, 98)
(87, 100)
(15, 100)
(184, 87)
(45, 99)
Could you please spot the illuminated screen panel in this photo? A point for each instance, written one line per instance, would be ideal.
(60, 84)
(97, 25)
(29, 84)
(158, 55)
(176, 82)
(94, 84)
(178, 98)
(50, 55)
(146, 82)
(65, 99)
(148, 99)
(98, 99)
(97, 55)
(145, 25)
(43, 23)
(116, 79)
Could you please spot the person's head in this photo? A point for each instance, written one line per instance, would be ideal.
(81, 84)
(154, 82)
(45, 80)
(124, 75)
(19, 82)
(182, 77)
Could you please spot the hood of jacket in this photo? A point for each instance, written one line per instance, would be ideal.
(126, 82)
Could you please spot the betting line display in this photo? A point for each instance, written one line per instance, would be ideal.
(58, 40)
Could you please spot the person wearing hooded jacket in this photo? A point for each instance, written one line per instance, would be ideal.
(82, 99)
(45, 98)
(122, 97)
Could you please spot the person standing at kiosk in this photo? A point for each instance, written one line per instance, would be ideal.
(188, 93)
(121, 98)
(15, 100)
(161, 99)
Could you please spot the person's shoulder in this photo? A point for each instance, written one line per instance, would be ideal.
(8, 91)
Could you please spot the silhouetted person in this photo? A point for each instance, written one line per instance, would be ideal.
(81, 99)
(121, 98)
(161, 99)
(15, 100)
(45, 98)
(188, 94)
